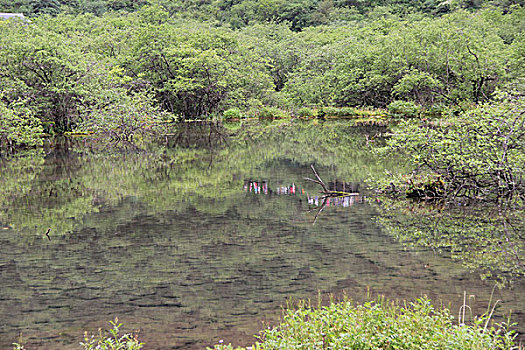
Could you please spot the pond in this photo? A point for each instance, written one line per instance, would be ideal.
(207, 239)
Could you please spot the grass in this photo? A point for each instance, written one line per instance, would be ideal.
(379, 324)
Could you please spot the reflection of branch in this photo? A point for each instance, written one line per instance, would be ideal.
(511, 244)
(320, 210)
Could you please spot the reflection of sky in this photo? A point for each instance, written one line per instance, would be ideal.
(261, 187)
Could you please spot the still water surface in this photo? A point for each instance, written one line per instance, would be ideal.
(207, 240)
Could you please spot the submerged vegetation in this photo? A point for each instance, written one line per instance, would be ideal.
(483, 239)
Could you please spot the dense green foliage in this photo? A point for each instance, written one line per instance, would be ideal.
(478, 155)
(379, 325)
(237, 13)
(18, 127)
(79, 72)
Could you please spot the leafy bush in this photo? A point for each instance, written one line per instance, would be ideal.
(329, 111)
(125, 119)
(19, 127)
(481, 155)
(232, 113)
(306, 112)
(401, 109)
(346, 112)
(340, 111)
(435, 111)
(270, 113)
(50, 71)
(379, 325)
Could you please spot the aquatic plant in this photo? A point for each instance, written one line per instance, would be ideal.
(485, 239)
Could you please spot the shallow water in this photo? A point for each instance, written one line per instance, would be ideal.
(206, 241)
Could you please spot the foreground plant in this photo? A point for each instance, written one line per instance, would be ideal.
(380, 324)
(114, 341)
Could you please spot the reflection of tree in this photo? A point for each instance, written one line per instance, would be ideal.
(64, 190)
(18, 173)
(484, 240)
(17, 176)
(152, 231)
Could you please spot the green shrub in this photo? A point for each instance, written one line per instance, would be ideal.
(131, 119)
(401, 109)
(370, 113)
(340, 111)
(19, 127)
(330, 111)
(306, 112)
(346, 112)
(435, 111)
(113, 341)
(379, 324)
(232, 113)
(270, 113)
(478, 155)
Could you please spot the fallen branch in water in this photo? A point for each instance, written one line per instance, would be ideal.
(326, 191)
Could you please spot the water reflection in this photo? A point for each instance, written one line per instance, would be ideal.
(261, 187)
(487, 240)
(190, 252)
(344, 201)
(257, 187)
